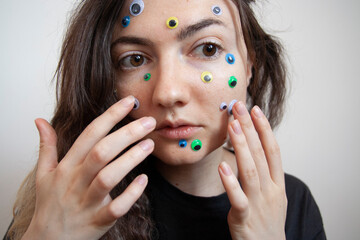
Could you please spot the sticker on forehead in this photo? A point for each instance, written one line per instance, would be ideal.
(172, 22)
(230, 58)
(136, 7)
(125, 21)
(216, 10)
(206, 77)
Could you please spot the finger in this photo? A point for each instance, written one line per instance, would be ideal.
(248, 173)
(109, 147)
(239, 201)
(48, 152)
(253, 141)
(121, 205)
(112, 174)
(98, 129)
(270, 145)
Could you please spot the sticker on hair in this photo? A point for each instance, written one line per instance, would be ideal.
(196, 145)
(230, 58)
(147, 77)
(231, 105)
(182, 143)
(172, 22)
(136, 7)
(223, 106)
(232, 82)
(216, 10)
(206, 77)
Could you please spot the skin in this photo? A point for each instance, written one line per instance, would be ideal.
(79, 204)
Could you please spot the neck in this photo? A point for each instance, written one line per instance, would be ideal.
(200, 178)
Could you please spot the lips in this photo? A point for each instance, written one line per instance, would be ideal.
(177, 129)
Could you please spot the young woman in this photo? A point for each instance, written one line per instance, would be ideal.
(148, 94)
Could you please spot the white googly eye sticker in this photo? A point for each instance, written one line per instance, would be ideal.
(216, 10)
(231, 105)
(136, 104)
(136, 7)
(223, 106)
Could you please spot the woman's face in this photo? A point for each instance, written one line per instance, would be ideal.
(184, 101)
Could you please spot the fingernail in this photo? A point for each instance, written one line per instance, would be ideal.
(235, 125)
(146, 145)
(258, 113)
(128, 101)
(148, 122)
(225, 168)
(142, 179)
(240, 109)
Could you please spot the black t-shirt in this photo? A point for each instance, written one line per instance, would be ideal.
(180, 216)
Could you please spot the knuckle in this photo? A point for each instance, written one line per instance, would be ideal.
(114, 112)
(104, 181)
(116, 211)
(99, 153)
(130, 131)
(250, 174)
(258, 152)
(274, 149)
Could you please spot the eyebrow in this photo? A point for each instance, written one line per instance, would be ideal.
(132, 40)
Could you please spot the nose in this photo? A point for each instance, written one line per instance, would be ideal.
(172, 88)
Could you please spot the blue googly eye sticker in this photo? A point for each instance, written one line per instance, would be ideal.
(230, 58)
(232, 82)
(125, 21)
(231, 105)
(223, 106)
(182, 143)
(216, 10)
(136, 104)
(136, 7)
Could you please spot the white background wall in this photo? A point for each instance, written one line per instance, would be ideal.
(319, 137)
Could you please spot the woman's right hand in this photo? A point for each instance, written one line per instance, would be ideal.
(72, 197)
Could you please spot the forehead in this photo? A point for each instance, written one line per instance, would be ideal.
(155, 14)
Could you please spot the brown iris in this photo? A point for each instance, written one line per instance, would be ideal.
(136, 60)
(209, 50)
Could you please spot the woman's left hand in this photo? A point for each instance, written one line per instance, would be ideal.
(258, 206)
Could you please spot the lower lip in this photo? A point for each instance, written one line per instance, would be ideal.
(178, 132)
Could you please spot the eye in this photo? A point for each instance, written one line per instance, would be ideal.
(207, 50)
(132, 61)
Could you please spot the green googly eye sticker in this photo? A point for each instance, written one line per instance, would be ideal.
(206, 77)
(232, 82)
(147, 77)
(196, 145)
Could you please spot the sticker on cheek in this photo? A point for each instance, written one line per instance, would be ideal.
(232, 82)
(230, 58)
(196, 145)
(182, 143)
(136, 7)
(206, 77)
(231, 105)
(125, 21)
(223, 106)
(216, 10)
(172, 22)
(147, 77)
(136, 104)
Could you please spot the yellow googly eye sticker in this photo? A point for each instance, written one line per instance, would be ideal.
(206, 77)
(172, 22)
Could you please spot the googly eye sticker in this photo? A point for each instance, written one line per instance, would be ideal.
(206, 77)
(231, 105)
(232, 82)
(182, 143)
(216, 10)
(230, 58)
(136, 104)
(125, 21)
(147, 77)
(196, 145)
(223, 106)
(136, 7)
(172, 22)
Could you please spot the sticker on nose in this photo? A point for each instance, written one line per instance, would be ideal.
(172, 22)
(206, 77)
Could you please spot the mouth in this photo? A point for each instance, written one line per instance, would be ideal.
(177, 130)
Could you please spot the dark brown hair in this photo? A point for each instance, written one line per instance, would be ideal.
(85, 85)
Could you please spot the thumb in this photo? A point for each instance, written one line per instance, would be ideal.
(48, 152)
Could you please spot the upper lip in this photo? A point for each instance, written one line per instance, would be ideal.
(173, 124)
